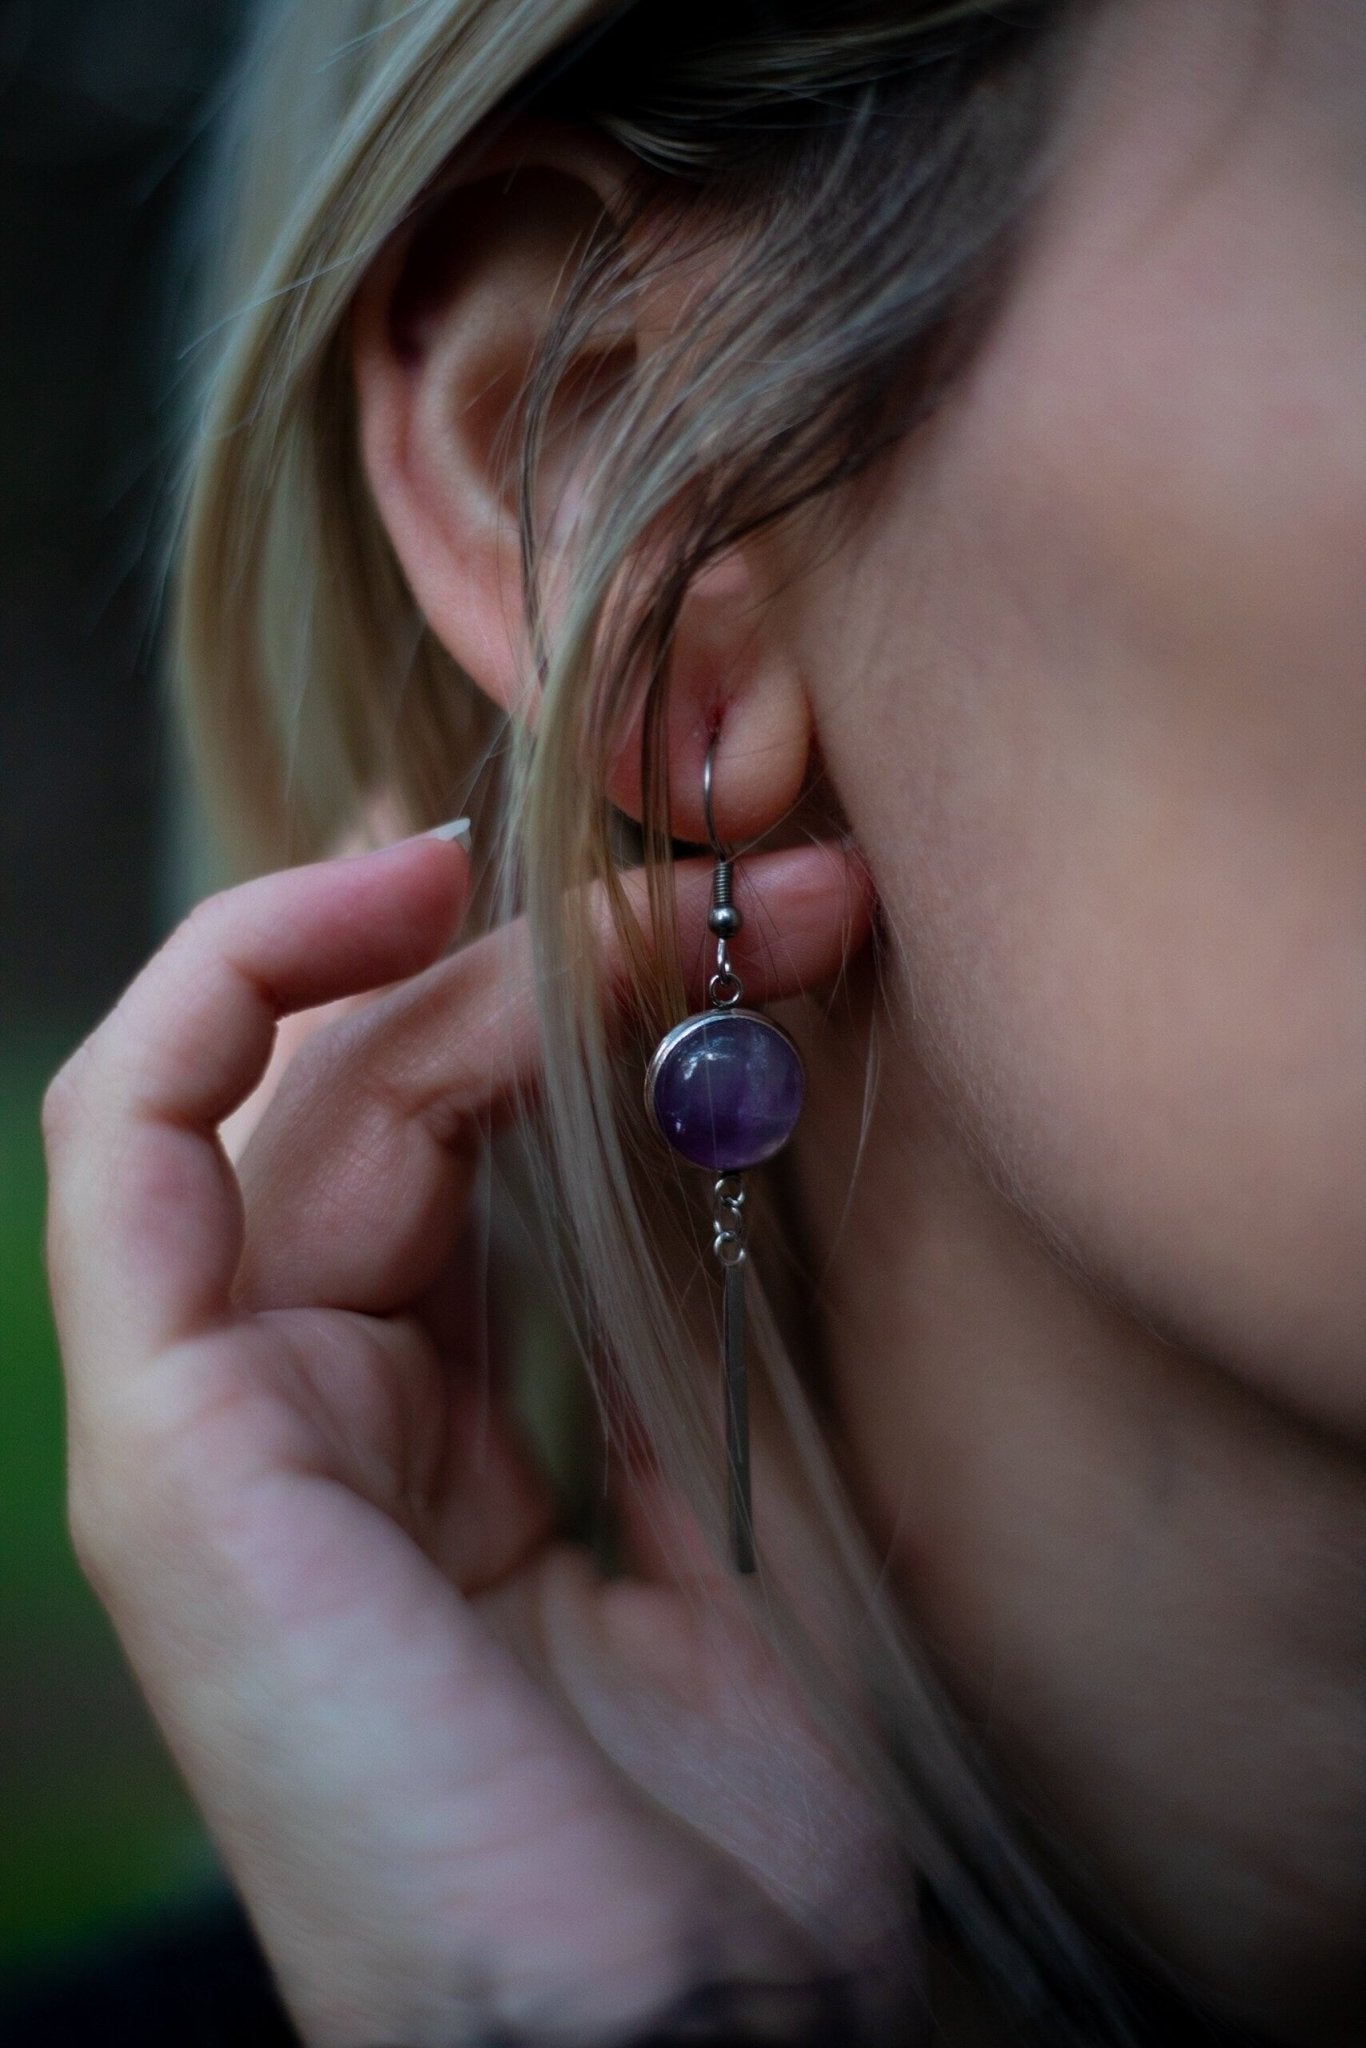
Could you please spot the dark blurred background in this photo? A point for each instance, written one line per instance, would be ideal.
(104, 107)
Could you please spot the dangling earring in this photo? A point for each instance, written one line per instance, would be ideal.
(725, 1088)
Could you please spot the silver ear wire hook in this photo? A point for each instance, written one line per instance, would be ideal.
(723, 919)
(721, 852)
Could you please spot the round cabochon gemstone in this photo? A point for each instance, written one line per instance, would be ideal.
(725, 1089)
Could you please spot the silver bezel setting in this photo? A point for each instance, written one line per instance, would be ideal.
(680, 1033)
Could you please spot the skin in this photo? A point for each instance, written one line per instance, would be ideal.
(1085, 682)
(1097, 1310)
(325, 1551)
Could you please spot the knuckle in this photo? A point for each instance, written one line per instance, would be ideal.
(64, 1103)
(202, 926)
(90, 1528)
(333, 1062)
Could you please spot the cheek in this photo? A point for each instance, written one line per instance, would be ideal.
(1155, 1036)
(1117, 803)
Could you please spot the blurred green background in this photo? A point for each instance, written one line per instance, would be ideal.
(103, 107)
(93, 1824)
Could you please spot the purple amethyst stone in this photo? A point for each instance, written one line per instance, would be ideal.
(725, 1088)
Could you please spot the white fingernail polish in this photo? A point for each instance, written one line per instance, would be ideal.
(458, 830)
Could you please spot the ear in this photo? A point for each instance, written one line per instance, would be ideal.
(446, 330)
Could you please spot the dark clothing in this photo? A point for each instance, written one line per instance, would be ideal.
(197, 1979)
(188, 1979)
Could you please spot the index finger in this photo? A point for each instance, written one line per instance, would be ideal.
(145, 1220)
(354, 1177)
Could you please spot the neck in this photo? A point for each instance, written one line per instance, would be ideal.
(1140, 1581)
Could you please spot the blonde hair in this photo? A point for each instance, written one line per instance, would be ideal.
(310, 681)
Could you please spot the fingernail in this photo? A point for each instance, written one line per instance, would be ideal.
(458, 830)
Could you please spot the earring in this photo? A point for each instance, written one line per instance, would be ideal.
(724, 1088)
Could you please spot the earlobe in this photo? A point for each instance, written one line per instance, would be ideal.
(735, 689)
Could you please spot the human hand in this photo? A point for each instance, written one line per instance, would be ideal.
(463, 1784)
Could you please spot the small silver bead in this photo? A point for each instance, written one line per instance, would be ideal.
(724, 919)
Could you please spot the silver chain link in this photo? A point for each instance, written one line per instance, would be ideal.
(728, 1220)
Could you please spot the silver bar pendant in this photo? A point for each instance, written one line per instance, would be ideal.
(737, 1414)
